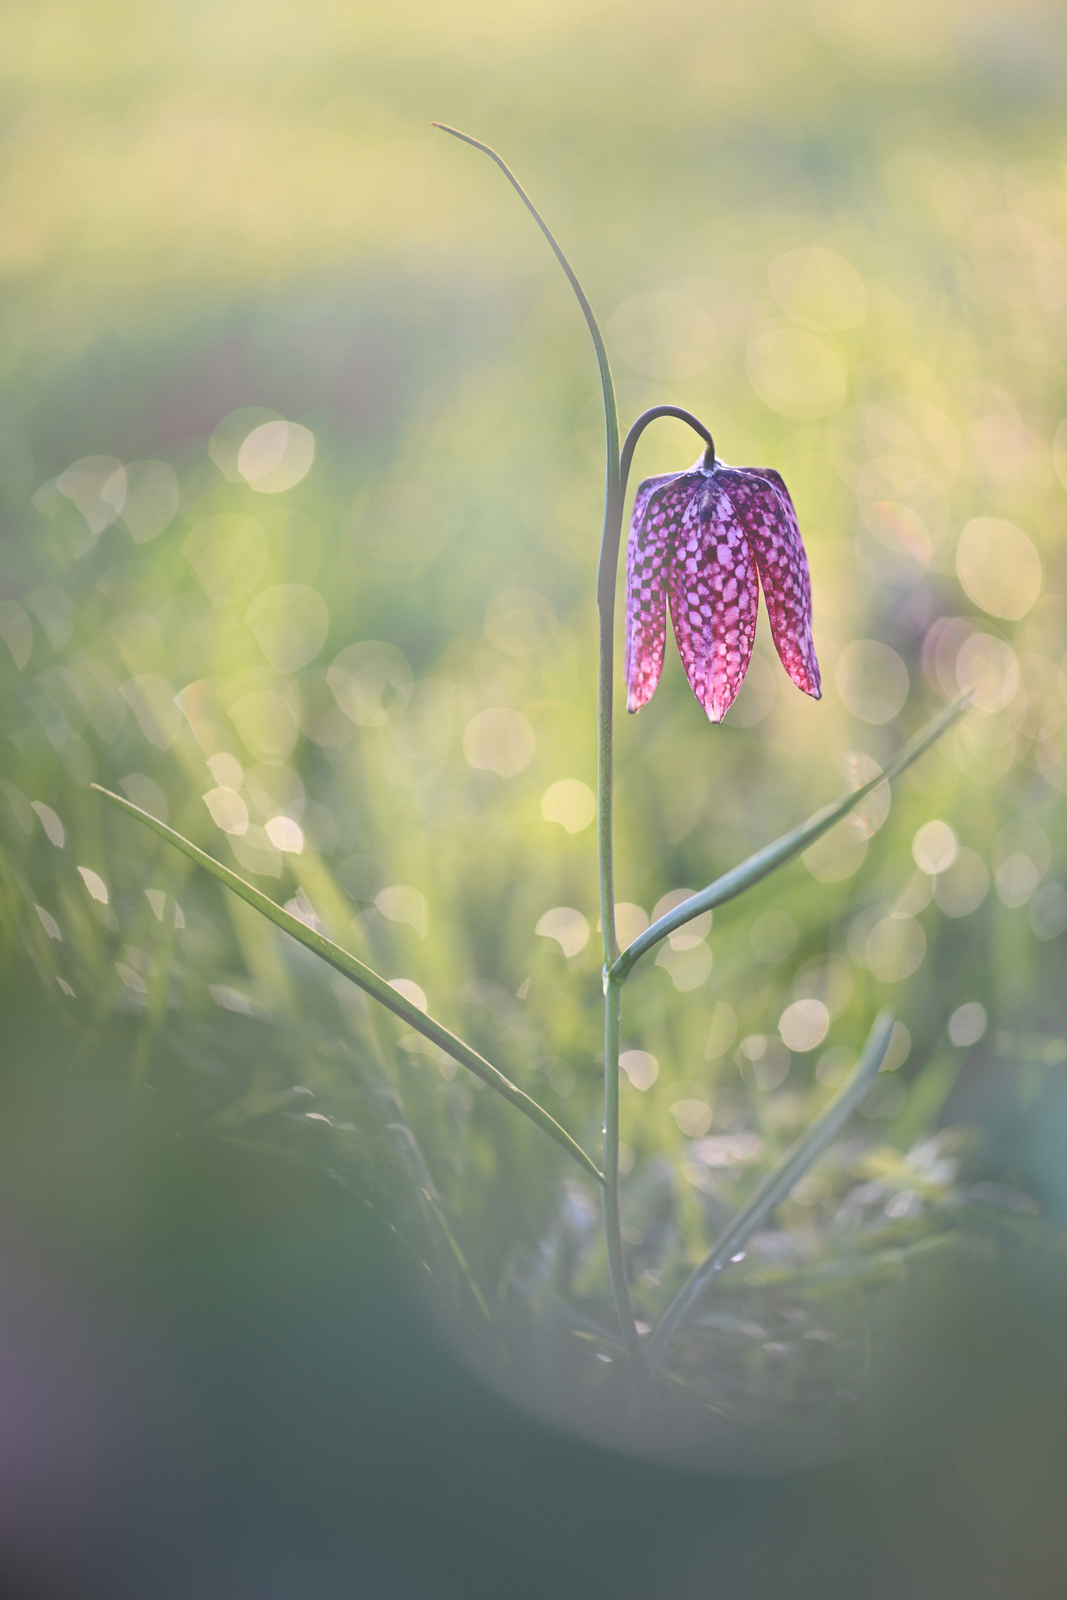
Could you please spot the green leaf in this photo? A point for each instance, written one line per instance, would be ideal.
(775, 1187)
(758, 866)
(611, 419)
(369, 981)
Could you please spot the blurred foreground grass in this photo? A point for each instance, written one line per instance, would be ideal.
(300, 464)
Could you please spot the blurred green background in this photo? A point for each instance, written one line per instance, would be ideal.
(301, 473)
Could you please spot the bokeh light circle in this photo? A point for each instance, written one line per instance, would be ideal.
(796, 372)
(276, 456)
(872, 680)
(998, 567)
(819, 287)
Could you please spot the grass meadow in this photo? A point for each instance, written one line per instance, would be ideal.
(301, 471)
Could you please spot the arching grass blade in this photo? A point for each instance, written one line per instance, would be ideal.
(758, 866)
(774, 1188)
(369, 981)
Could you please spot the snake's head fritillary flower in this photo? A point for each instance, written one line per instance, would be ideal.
(704, 540)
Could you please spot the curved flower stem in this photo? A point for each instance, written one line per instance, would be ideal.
(609, 549)
(612, 527)
(612, 521)
(617, 467)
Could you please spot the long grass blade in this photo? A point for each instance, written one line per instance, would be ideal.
(774, 1188)
(611, 420)
(758, 866)
(368, 980)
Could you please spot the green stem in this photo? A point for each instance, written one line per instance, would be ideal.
(610, 1197)
(605, 853)
(609, 554)
(606, 603)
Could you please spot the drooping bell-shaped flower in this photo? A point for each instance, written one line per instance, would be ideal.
(703, 541)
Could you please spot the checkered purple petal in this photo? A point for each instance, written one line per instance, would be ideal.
(766, 513)
(659, 507)
(713, 593)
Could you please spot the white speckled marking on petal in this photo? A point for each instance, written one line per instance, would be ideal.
(659, 506)
(713, 594)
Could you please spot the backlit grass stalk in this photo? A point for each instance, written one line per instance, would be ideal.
(774, 1188)
(614, 490)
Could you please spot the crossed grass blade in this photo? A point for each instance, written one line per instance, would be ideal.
(774, 1188)
(368, 980)
(765, 861)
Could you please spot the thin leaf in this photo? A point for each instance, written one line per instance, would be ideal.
(611, 420)
(367, 980)
(758, 866)
(774, 1188)
(461, 1260)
